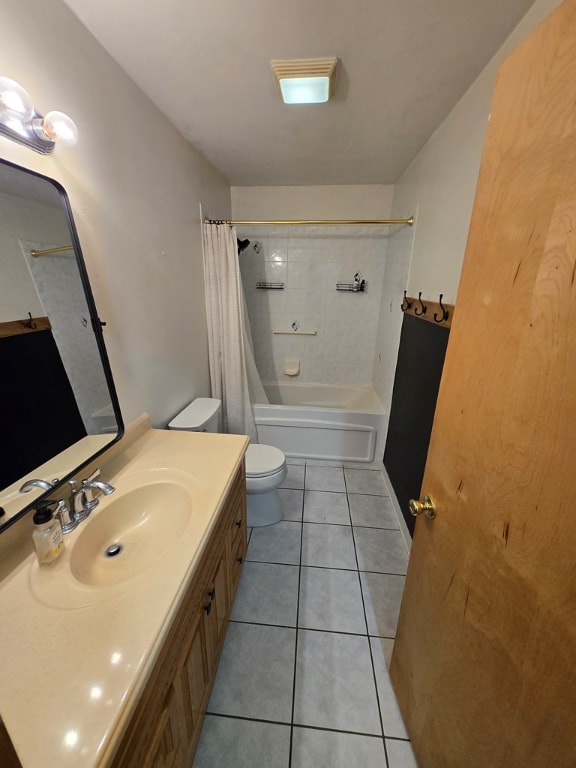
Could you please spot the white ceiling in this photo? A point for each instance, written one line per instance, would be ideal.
(206, 64)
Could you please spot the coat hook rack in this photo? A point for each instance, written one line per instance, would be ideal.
(436, 312)
(406, 301)
(423, 306)
(445, 313)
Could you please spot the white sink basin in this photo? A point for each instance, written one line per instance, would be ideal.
(131, 534)
(128, 536)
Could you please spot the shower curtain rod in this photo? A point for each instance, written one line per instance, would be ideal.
(45, 251)
(328, 222)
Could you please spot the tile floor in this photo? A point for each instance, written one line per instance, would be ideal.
(303, 680)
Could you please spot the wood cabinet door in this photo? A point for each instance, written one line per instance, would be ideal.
(165, 749)
(484, 664)
(216, 611)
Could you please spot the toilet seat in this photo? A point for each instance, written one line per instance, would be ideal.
(264, 461)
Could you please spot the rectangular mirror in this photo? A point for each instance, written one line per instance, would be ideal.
(58, 406)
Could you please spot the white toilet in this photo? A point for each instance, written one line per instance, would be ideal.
(265, 465)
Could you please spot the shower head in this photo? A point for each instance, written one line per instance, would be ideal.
(242, 245)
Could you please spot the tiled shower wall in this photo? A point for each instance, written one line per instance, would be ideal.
(310, 261)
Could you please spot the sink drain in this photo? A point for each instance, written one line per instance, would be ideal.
(113, 550)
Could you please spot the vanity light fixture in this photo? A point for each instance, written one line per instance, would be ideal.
(305, 81)
(20, 122)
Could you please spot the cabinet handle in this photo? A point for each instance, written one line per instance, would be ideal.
(239, 523)
(212, 593)
(239, 559)
(208, 608)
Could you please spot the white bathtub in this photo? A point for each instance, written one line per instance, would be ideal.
(321, 421)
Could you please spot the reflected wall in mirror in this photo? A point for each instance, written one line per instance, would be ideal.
(58, 406)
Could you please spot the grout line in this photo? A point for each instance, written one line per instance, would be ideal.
(297, 634)
(308, 629)
(366, 493)
(303, 726)
(247, 719)
(338, 730)
(369, 643)
(345, 525)
(326, 567)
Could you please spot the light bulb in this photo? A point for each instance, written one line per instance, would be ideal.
(15, 102)
(56, 126)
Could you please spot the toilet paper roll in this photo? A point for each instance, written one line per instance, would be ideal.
(291, 367)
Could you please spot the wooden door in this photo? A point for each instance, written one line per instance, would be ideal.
(484, 664)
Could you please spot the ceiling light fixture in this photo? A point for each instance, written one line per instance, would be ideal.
(305, 81)
(20, 122)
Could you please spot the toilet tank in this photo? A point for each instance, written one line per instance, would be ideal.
(201, 415)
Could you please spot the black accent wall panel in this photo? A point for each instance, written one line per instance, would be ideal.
(37, 405)
(416, 383)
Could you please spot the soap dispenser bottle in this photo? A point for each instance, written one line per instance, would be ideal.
(47, 534)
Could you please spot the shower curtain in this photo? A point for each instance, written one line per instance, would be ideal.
(233, 371)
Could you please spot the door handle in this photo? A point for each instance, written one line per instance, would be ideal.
(426, 506)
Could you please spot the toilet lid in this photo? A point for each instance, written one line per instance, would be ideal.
(263, 460)
(196, 414)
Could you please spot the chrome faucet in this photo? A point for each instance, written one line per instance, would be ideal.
(29, 485)
(62, 510)
(82, 500)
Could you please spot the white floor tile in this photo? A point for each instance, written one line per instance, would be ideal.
(391, 718)
(292, 503)
(368, 481)
(226, 742)
(331, 600)
(278, 543)
(295, 476)
(328, 546)
(380, 550)
(325, 479)
(267, 594)
(335, 683)
(313, 748)
(255, 673)
(372, 511)
(400, 754)
(382, 598)
(326, 507)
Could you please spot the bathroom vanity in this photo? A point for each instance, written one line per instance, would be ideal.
(113, 666)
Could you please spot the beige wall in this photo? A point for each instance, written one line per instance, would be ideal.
(441, 182)
(369, 201)
(135, 186)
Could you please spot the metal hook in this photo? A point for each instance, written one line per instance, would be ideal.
(424, 307)
(408, 303)
(445, 312)
(29, 323)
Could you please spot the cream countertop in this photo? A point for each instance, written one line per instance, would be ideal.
(69, 677)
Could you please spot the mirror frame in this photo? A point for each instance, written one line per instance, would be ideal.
(97, 325)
